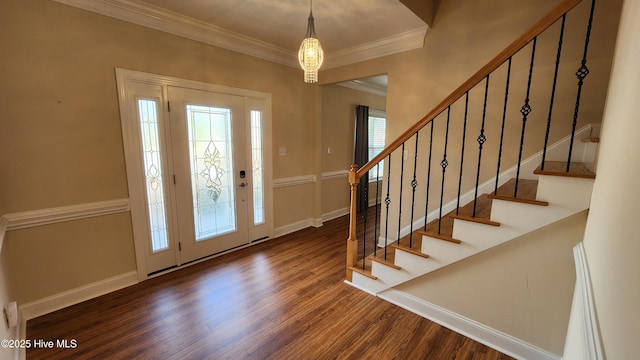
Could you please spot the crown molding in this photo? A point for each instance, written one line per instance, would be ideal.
(173, 23)
(408, 40)
(158, 18)
(362, 86)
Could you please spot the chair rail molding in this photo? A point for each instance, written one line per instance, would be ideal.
(31, 218)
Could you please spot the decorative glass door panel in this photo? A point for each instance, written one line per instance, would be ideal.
(208, 137)
(150, 138)
(211, 160)
(258, 167)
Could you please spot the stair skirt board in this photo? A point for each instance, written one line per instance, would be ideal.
(486, 335)
(581, 153)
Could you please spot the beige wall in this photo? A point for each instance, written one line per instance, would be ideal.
(62, 143)
(338, 124)
(522, 288)
(611, 241)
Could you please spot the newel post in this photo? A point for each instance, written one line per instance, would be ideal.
(352, 241)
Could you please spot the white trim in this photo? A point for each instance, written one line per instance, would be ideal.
(593, 348)
(359, 287)
(364, 87)
(290, 228)
(26, 219)
(332, 175)
(294, 181)
(335, 214)
(4, 225)
(74, 296)
(409, 40)
(481, 333)
(161, 19)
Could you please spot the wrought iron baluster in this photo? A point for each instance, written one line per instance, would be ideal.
(375, 224)
(504, 118)
(364, 229)
(464, 135)
(414, 184)
(581, 74)
(444, 163)
(481, 140)
(387, 201)
(400, 195)
(426, 203)
(525, 111)
(553, 91)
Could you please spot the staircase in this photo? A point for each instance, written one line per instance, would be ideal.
(429, 214)
(499, 218)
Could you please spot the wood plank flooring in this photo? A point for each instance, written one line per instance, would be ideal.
(282, 299)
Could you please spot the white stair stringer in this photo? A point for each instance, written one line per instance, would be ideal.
(565, 195)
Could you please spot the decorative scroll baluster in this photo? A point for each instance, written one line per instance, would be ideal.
(400, 194)
(444, 163)
(582, 73)
(426, 202)
(375, 224)
(414, 184)
(553, 92)
(481, 140)
(525, 111)
(504, 118)
(364, 229)
(464, 135)
(387, 202)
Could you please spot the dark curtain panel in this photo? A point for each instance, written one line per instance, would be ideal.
(361, 151)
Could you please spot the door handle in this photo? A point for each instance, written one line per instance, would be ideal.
(242, 185)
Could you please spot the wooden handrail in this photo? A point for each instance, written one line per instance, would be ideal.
(491, 66)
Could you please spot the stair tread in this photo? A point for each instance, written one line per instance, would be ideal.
(366, 271)
(415, 241)
(411, 250)
(439, 236)
(389, 261)
(559, 168)
(527, 189)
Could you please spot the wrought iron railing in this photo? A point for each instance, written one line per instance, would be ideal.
(424, 179)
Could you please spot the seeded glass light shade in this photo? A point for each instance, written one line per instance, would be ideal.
(310, 54)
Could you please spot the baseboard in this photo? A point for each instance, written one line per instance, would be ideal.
(481, 333)
(335, 214)
(71, 297)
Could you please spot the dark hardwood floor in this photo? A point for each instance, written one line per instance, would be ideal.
(282, 299)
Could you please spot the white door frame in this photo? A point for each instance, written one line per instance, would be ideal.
(128, 80)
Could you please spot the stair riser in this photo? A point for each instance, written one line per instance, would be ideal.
(572, 193)
(522, 218)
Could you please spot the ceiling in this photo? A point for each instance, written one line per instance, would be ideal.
(349, 31)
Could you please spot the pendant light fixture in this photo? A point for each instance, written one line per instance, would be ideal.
(310, 54)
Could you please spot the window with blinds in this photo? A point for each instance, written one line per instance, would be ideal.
(377, 124)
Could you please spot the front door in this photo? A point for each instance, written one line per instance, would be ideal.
(197, 168)
(210, 167)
